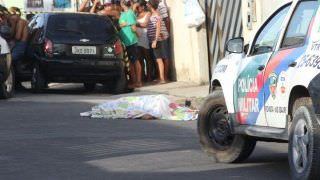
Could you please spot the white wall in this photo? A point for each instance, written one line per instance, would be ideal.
(264, 8)
(189, 47)
(48, 7)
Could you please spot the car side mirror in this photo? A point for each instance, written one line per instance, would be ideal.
(235, 45)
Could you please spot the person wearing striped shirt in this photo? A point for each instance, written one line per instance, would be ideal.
(163, 10)
(158, 36)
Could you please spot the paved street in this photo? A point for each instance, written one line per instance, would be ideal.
(43, 137)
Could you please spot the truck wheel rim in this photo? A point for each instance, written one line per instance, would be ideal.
(300, 146)
(9, 82)
(220, 131)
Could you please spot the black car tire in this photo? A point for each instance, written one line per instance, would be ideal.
(215, 134)
(304, 142)
(38, 81)
(7, 87)
(120, 85)
(89, 86)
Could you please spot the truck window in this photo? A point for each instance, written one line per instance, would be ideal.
(268, 36)
(299, 24)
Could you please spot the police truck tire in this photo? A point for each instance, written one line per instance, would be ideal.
(304, 142)
(215, 134)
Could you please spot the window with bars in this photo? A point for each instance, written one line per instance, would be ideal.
(62, 3)
(35, 3)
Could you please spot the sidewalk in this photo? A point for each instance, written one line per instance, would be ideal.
(180, 90)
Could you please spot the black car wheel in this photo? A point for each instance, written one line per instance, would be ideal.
(120, 85)
(89, 86)
(38, 81)
(7, 87)
(215, 134)
(304, 142)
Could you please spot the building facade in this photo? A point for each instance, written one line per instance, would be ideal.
(255, 12)
(36, 6)
(195, 51)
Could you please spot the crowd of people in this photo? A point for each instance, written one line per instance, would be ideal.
(144, 30)
(11, 21)
(16, 29)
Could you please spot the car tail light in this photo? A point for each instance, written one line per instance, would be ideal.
(48, 47)
(118, 49)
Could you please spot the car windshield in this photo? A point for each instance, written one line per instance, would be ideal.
(80, 24)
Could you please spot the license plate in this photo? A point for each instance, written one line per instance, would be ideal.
(86, 50)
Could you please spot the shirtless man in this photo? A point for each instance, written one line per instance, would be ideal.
(108, 10)
(85, 7)
(20, 29)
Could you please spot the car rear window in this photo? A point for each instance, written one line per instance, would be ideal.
(80, 25)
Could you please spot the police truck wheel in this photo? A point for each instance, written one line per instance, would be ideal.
(215, 134)
(304, 142)
(7, 87)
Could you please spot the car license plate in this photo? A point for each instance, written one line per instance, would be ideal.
(86, 50)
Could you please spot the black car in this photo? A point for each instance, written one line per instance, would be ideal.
(74, 48)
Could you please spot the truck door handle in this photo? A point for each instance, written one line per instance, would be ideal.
(293, 64)
(261, 67)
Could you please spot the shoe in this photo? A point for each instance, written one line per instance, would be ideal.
(138, 85)
(162, 82)
(131, 86)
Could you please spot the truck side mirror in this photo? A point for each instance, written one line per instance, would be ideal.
(235, 45)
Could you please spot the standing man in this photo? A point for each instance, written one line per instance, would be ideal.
(107, 9)
(129, 38)
(85, 6)
(21, 32)
(164, 13)
(158, 36)
(20, 29)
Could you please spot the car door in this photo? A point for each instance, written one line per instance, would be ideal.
(249, 98)
(292, 47)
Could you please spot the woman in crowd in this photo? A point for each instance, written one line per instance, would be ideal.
(128, 35)
(143, 17)
(157, 35)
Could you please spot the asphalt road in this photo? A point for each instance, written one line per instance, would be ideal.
(43, 137)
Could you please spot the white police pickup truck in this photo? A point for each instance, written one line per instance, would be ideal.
(269, 91)
(6, 71)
